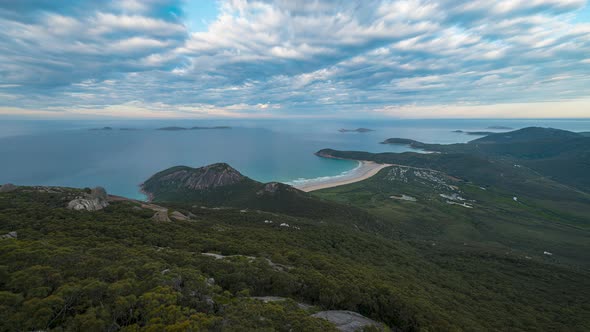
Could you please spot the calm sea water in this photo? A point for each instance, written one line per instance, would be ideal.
(69, 154)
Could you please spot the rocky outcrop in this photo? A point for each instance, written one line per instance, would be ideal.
(96, 200)
(179, 216)
(270, 299)
(186, 178)
(275, 266)
(9, 187)
(274, 188)
(10, 235)
(161, 216)
(348, 321)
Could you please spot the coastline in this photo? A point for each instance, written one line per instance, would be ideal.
(149, 197)
(365, 170)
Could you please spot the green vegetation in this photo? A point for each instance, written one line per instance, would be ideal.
(561, 155)
(118, 269)
(493, 220)
(509, 205)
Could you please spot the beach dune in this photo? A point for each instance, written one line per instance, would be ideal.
(365, 170)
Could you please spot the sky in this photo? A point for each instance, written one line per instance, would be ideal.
(72, 59)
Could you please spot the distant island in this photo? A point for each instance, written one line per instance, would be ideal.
(172, 128)
(103, 128)
(499, 128)
(405, 141)
(475, 133)
(358, 130)
(192, 128)
(216, 127)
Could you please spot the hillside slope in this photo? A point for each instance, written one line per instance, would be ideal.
(220, 185)
(561, 155)
(118, 269)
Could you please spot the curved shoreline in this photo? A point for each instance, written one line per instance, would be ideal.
(365, 170)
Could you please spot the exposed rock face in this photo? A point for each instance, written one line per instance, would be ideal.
(161, 216)
(96, 200)
(270, 299)
(212, 176)
(348, 321)
(324, 154)
(274, 188)
(11, 235)
(183, 177)
(7, 188)
(179, 216)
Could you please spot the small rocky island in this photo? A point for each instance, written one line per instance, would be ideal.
(358, 130)
(405, 141)
(173, 128)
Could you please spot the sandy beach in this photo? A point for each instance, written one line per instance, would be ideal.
(365, 170)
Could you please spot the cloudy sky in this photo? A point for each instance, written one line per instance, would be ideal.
(287, 58)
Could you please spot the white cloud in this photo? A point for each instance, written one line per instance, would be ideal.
(301, 58)
(566, 109)
(109, 23)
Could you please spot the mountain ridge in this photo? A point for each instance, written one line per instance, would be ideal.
(220, 185)
(545, 150)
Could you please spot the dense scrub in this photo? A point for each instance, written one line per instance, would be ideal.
(117, 269)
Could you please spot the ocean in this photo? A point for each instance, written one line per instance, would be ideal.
(69, 153)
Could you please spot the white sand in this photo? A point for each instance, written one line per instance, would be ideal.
(366, 170)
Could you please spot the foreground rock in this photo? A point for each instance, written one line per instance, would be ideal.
(179, 216)
(11, 235)
(96, 200)
(9, 187)
(161, 216)
(348, 321)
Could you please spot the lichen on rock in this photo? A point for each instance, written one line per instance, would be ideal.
(96, 200)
